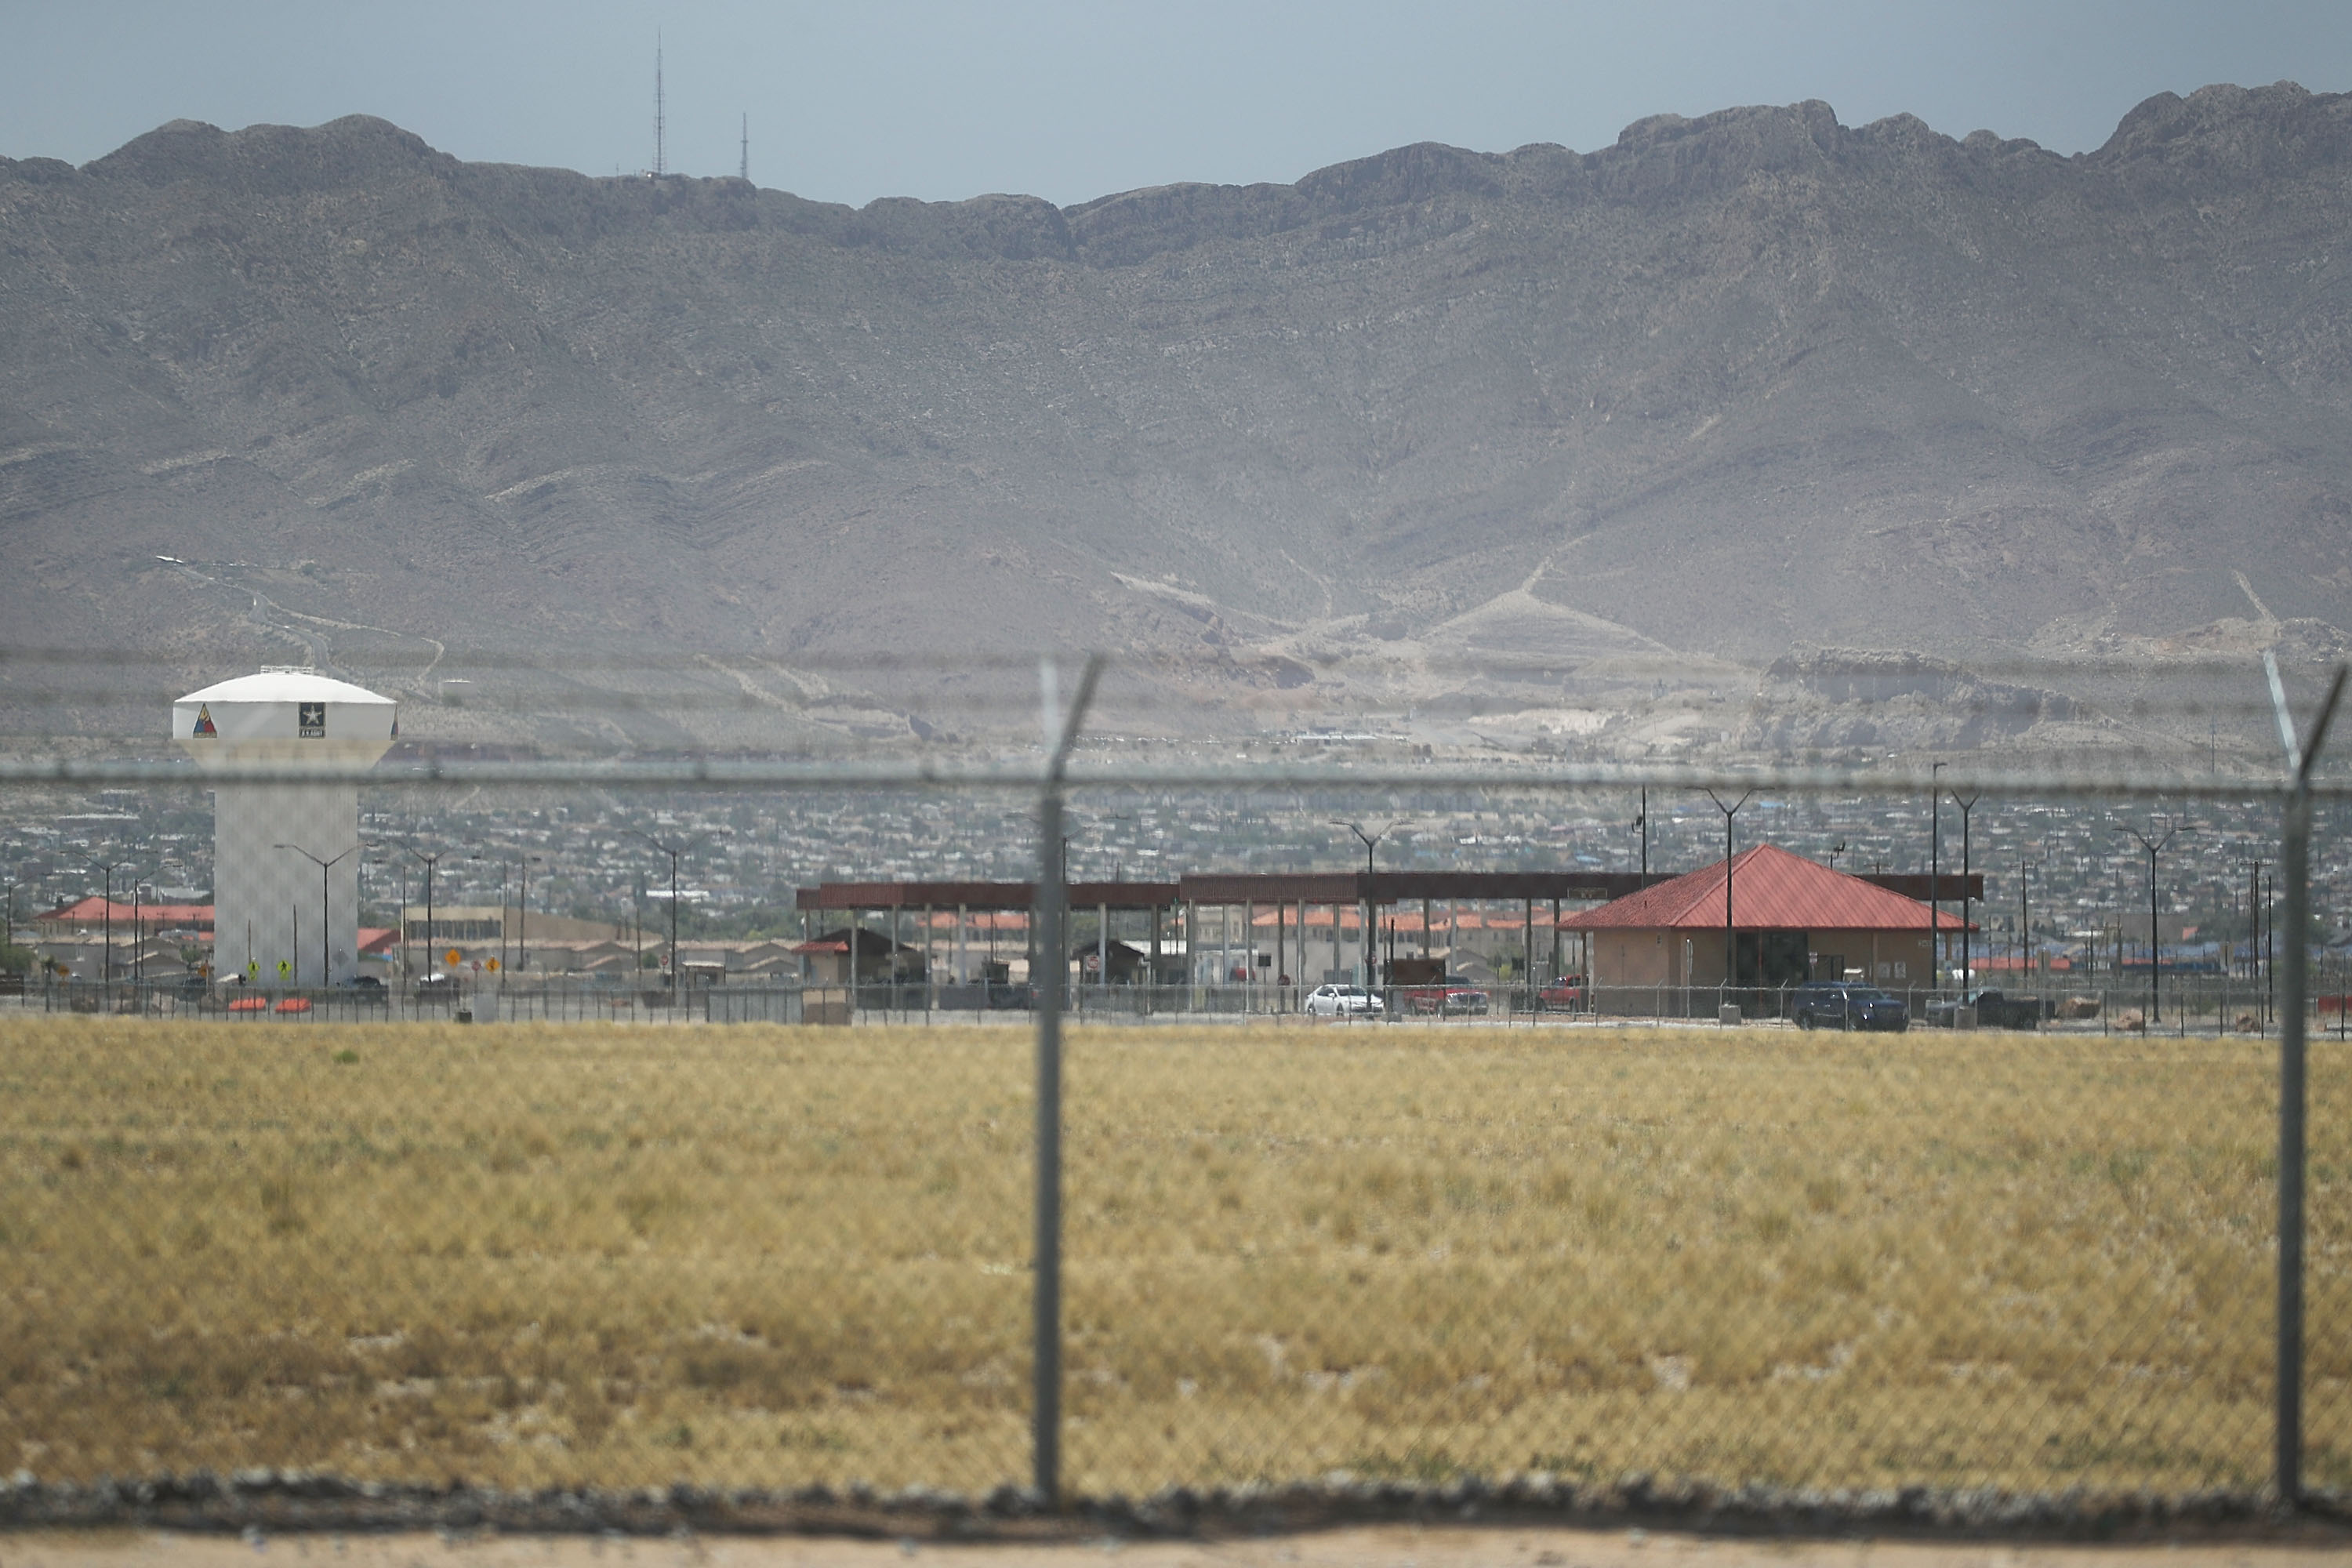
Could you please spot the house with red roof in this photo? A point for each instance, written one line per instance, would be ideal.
(1790, 919)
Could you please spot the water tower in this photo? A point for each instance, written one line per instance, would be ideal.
(278, 918)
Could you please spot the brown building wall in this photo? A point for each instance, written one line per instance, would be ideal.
(1898, 959)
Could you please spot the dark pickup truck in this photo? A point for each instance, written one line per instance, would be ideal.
(1994, 1011)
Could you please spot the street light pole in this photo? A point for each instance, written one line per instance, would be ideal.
(502, 866)
(522, 916)
(674, 851)
(2024, 918)
(430, 861)
(106, 964)
(1731, 946)
(1371, 902)
(1642, 827)
(2154, 846)
(1935, 869)
(326, 970)
(1966, 807)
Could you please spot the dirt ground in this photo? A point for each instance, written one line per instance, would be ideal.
(1384, 1546)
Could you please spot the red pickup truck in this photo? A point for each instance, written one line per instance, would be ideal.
(1565, 994)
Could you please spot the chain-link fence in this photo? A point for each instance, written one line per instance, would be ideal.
(1809, 1261)
(1575, 1241)
(518, 1257)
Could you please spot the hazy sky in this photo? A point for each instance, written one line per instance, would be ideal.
(849, 102)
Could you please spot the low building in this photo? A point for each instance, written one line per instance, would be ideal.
(92, 914)
(1790, 919)
(855, 956)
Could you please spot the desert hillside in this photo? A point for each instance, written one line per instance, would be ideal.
(1522, 439)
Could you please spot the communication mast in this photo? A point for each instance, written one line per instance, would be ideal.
(661, 128)
(743, 168)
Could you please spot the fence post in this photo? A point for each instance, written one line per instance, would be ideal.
(1052, 898)
(2294, 858)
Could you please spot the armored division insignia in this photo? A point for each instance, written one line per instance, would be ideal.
(204, 722)
(310, 721)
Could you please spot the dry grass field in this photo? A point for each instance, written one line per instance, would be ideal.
(523, 1255)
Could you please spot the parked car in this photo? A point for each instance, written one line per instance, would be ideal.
(1994, 1011)
(1847, 1004)
(1565, 994)
(1341, 1002)
(1462, 999)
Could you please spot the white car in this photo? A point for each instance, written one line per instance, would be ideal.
(1340, 1002)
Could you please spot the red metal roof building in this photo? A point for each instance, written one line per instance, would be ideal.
(1791, 918)
(92, 912)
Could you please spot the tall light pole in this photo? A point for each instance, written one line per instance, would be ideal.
(674, 851)
(402, 916)
(106, 964)
(2154, 846)
(501, 865)
(1642, 827)
(1966, 807)
(2024, 916)
(1730, 947)
(1935, 867)
(1370, 840)
(2255, 920)
(430, 861)
(326, 970)
(2270, 946)
(522, 912)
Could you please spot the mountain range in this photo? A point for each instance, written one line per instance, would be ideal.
(1641, 450)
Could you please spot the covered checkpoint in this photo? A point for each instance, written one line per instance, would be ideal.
(276, 920)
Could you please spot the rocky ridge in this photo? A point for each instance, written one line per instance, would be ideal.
(1480, 435)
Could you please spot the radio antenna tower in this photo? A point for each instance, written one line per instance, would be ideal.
(660, 127)
(743, 168)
